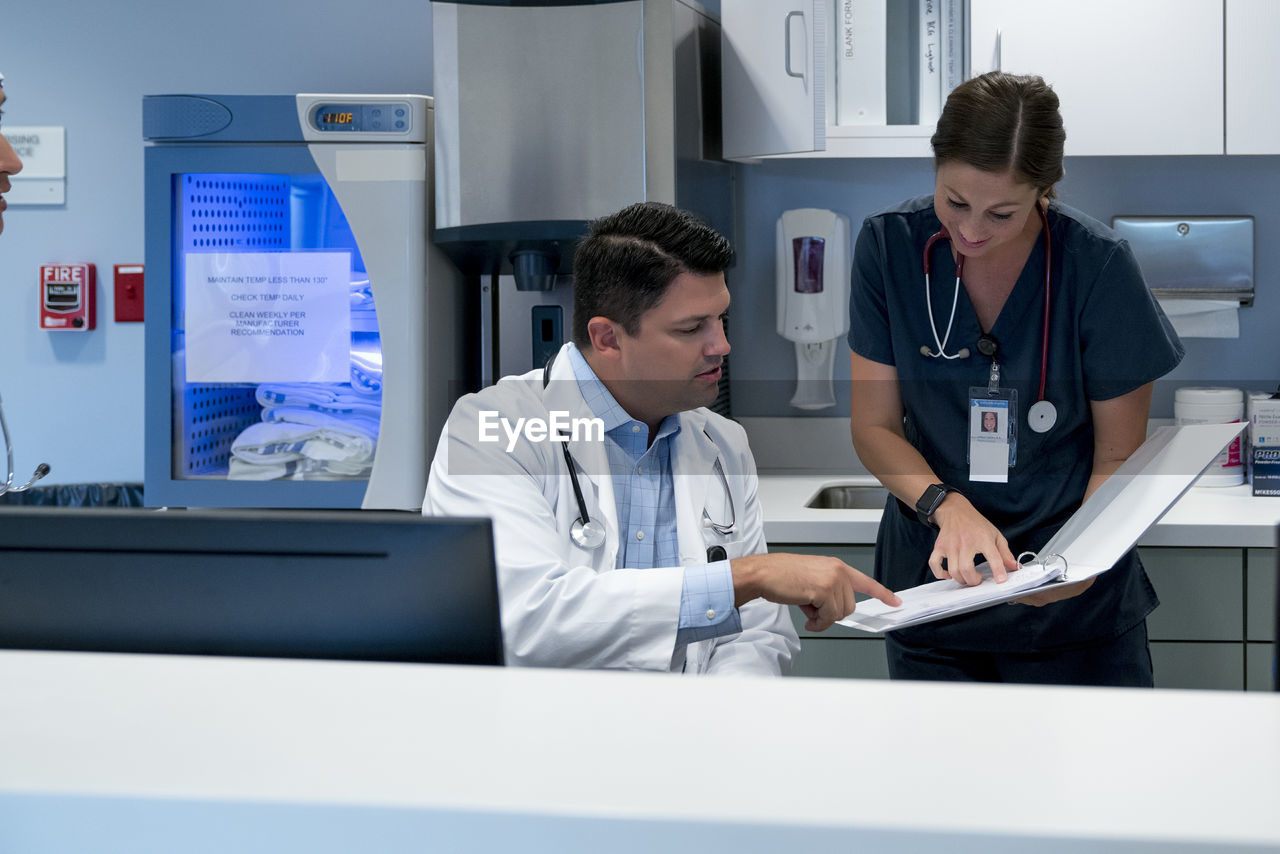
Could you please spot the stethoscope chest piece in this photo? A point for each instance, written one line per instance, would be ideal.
(1042, 416)
(587, 535)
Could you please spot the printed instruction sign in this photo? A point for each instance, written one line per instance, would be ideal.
(256, 317)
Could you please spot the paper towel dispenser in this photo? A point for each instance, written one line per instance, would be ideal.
(1204, 257)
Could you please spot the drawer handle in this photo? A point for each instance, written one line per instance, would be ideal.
(787, 36)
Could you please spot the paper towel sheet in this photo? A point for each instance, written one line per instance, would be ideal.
(1203, 318)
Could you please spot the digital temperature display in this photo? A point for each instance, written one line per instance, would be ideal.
(392, 117)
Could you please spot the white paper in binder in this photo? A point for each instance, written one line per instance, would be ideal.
(1203, 318)
(1092, 540)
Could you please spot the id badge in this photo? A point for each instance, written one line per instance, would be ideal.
(993, 433)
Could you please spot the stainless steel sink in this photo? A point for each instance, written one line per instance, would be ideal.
(849, 497)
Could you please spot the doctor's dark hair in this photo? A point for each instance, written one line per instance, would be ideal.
(625, 264)
(998, 122)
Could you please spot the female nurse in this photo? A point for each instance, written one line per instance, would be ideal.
(987, 296)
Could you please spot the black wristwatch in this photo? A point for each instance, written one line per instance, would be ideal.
(928, 503)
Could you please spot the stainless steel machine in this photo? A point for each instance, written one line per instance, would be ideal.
(548, 116)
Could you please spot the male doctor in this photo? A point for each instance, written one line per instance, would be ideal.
(671, 571)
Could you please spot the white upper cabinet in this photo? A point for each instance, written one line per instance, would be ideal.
(773, 56)
(1253, 64)
(1134, 77)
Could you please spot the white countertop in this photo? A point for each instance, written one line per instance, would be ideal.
(1204, 516)
(158, 753)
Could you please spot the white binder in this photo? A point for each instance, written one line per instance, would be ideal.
(1092, 540)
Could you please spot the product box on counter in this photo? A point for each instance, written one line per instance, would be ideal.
(1265, 471)
(1264, 420)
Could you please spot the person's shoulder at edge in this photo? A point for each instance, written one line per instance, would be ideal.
(512, 398)
(510, 389)
(1078, 229)
(906, 207)
(1094, 250)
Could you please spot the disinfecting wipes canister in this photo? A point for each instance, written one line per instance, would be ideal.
(1199, 405)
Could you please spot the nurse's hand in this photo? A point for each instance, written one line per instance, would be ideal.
(1055, 593)
(964, 532)
(822, 586)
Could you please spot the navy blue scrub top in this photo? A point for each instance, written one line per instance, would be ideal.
(1107, 337)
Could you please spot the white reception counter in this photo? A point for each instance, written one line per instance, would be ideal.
(160, 754)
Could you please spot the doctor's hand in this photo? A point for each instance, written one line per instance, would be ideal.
(964, 532)
(822, 586)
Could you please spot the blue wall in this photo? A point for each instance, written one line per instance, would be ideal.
(76, 400)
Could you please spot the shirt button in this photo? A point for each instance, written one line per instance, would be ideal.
(639, 535)
(639, 469)
(711, 613)
(635, 428)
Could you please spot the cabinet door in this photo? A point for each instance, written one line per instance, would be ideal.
(1137, 77)
(773, 69)
(1201, 593)
(1253, 126)
(1260, 608)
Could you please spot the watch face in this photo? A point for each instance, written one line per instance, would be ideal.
(929, 501)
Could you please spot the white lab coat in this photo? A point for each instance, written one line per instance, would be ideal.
(564, 606)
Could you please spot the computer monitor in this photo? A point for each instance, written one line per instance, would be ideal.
(334, 584)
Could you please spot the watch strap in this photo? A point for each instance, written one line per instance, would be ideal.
(928, 502)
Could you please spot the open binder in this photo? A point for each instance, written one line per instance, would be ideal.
(1092, 540)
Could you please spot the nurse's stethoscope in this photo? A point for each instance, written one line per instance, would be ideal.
(588, 533)
(7, 486)
(1042, 415)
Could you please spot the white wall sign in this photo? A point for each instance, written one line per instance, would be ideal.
(268, 317)
(43, 179)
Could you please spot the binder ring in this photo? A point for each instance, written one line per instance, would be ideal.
(1046, 561)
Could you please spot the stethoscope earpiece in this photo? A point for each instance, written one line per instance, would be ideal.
(962, 353)
(7, 484)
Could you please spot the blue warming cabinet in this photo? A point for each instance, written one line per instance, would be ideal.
(303, 341)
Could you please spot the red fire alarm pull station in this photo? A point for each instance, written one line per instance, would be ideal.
(67, 300)
(128, 286)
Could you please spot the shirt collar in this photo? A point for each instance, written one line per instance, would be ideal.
(602, 402)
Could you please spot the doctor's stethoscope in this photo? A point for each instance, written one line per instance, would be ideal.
(588, 533)
(1042, 415)
(7, 486)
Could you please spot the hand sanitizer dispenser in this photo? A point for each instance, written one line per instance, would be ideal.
(814, 265)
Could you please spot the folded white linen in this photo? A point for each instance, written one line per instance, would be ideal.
(322, 397)
(285, 441)
(356, 425)
(292, 470)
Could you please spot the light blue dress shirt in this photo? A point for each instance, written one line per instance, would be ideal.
(644, 494)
